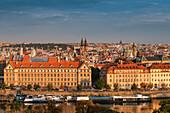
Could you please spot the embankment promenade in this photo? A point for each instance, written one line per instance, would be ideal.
(152, 94)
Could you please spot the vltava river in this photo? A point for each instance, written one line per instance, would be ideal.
(126, 108)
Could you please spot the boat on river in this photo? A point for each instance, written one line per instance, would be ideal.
(120, 99)
(41, 99)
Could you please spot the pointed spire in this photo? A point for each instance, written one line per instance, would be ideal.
(85, 42)
(81, 41)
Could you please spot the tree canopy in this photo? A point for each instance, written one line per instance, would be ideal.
(29, 86)
(99, 84)
(134, 86)
(3, 85)
(79, 87)
(50, 86)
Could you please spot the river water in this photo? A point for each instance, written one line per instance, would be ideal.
(126, 108)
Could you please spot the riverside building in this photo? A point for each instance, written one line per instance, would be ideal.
(26, 70)
(127, 74)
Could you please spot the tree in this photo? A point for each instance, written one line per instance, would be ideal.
(36, 86)
(79, 87)
(150, 85)
(50, 86)
(29, 86)
(100, 84)
(164, 85)
(3, 85)
(143, 85)
(12, 86)
(134, 86)
(95, 74)
(107, 86)
(23, 87)
(116, 86)
(165, 107)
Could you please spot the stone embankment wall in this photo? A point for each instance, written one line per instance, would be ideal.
(153, 94)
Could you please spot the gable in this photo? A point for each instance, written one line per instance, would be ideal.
(84, 66)
(9, 66)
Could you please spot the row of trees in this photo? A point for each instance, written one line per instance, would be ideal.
(165, 107)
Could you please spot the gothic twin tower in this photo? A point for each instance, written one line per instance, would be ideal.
(83, 47)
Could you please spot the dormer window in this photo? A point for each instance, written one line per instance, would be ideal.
(71, 65)
(22, 65)
(41, 65)
(61, 65)
(31, 65)
(51, 65)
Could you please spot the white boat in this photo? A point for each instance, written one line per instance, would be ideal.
(28, 98)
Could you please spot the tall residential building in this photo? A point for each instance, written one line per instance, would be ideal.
(127, 74)
(43, 71)
(160, 74)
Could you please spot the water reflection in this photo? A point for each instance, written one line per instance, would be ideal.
(70, 107)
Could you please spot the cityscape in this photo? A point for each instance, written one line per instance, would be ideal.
(84, 56)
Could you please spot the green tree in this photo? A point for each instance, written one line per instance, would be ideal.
(165, 107)
(12, 86)
(134, 86)
(3, 85)
(29, 86)
(37, 86)
(143, 85)
(107, 86)
(100, 84)
(116, 86)
(95, 74)
(50, 86)
(150, 85)
(79, 87)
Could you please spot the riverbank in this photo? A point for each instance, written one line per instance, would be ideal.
(152, 94)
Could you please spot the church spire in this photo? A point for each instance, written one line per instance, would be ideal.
(81, 41)
(85, 42)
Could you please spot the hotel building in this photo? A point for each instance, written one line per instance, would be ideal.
(42, 71)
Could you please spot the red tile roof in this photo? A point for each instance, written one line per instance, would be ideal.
(160, 66)
(52, 62)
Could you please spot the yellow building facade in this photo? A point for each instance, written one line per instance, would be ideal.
(63, 73)
(127, 74)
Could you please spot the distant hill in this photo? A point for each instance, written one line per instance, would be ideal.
(44, 45)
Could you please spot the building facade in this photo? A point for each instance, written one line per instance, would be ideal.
(160, 74)
(127, 74)
(43, 71)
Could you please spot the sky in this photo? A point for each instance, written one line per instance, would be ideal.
(66, 21)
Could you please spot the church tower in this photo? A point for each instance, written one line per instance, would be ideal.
(85, 47)
(81, 47)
